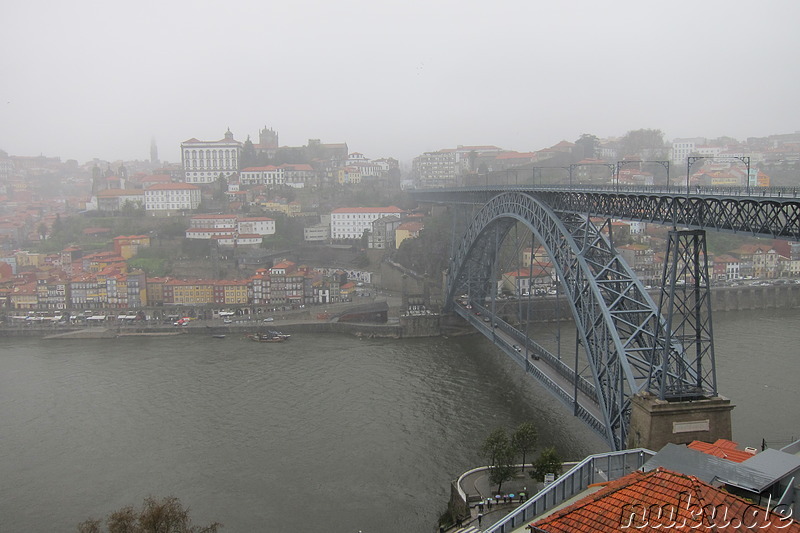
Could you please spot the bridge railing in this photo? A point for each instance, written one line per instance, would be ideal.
(562, 394)
(539, 352)
(596, 468)
(762, 192)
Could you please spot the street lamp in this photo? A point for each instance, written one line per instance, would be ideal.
(664, 164)
(691, 160)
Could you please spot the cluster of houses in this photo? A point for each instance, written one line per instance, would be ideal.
(713, 164)
(70, 280)
(776, 260)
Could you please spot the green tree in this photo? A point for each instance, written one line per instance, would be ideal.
(156, 516)
(495, 445)
(548, 463)
(587, 145)
(220, 187)
(248, 158)
(415, 254)
(523, 440)
(503, 467)
(648, 144)
(151, 265)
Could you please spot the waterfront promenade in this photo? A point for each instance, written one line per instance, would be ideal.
(486, 504)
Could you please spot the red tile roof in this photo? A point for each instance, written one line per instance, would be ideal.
(390, 209)
(723, 448)
(172, 187)
(662, 500)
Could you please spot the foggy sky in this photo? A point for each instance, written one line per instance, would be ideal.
(88, 79)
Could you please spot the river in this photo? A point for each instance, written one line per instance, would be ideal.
(320, 433)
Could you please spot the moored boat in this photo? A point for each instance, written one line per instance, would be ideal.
(265, 337)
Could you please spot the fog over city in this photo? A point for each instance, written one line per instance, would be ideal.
(90, 79)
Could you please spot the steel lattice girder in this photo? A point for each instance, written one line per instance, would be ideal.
(617, 321)
(687, 309)
(777, 218)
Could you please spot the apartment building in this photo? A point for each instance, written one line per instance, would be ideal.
(351, 222)
(205, 161)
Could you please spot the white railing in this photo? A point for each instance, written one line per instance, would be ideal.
(596, 468)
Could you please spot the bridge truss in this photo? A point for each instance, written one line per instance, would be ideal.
(625, 339)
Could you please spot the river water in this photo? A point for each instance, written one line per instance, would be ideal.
(321, 433)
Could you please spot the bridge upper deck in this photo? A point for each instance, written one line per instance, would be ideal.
(764, 212)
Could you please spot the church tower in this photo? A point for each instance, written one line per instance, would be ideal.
(153, 151)
(268, 139)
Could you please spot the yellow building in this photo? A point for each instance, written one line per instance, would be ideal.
(25, 297)
(233, 292)
(407, 230)
(128, 246)
(28, 259)
(197, 292)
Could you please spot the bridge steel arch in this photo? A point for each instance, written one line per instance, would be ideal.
(618, 324)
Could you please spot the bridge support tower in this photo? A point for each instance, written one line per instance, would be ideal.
(680, 403)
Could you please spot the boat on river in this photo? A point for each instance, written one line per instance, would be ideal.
(284, 336)
(266, 337)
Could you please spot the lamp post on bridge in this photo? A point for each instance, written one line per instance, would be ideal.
(692, 159)
(534, 169)
(610, 166)
(621, 164)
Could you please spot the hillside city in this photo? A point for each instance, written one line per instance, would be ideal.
(244, 223)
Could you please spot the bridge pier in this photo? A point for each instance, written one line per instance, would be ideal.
(655, 422)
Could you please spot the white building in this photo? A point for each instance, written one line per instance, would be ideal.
(300, 176)
(229, 227)
(238, 240)
(213, 221)
(683, 148)
(268, 175)
(317, 233)
(436, 169)
(205, 161)
(351, 222)
(169, 198)
(208, 233)
(256, 226)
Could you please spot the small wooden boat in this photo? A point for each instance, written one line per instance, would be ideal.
(218, 336)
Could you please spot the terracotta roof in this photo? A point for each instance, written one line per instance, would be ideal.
(260, 169)
(110, 193)
(662, 499)
(226, 231)
(411, 226)
(723, 448)
(516, 155)
(390, 209)
(211, 217)
(537, 272)
(172, 187)
(301, 166)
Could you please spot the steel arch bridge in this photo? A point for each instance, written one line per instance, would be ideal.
(628, 344)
